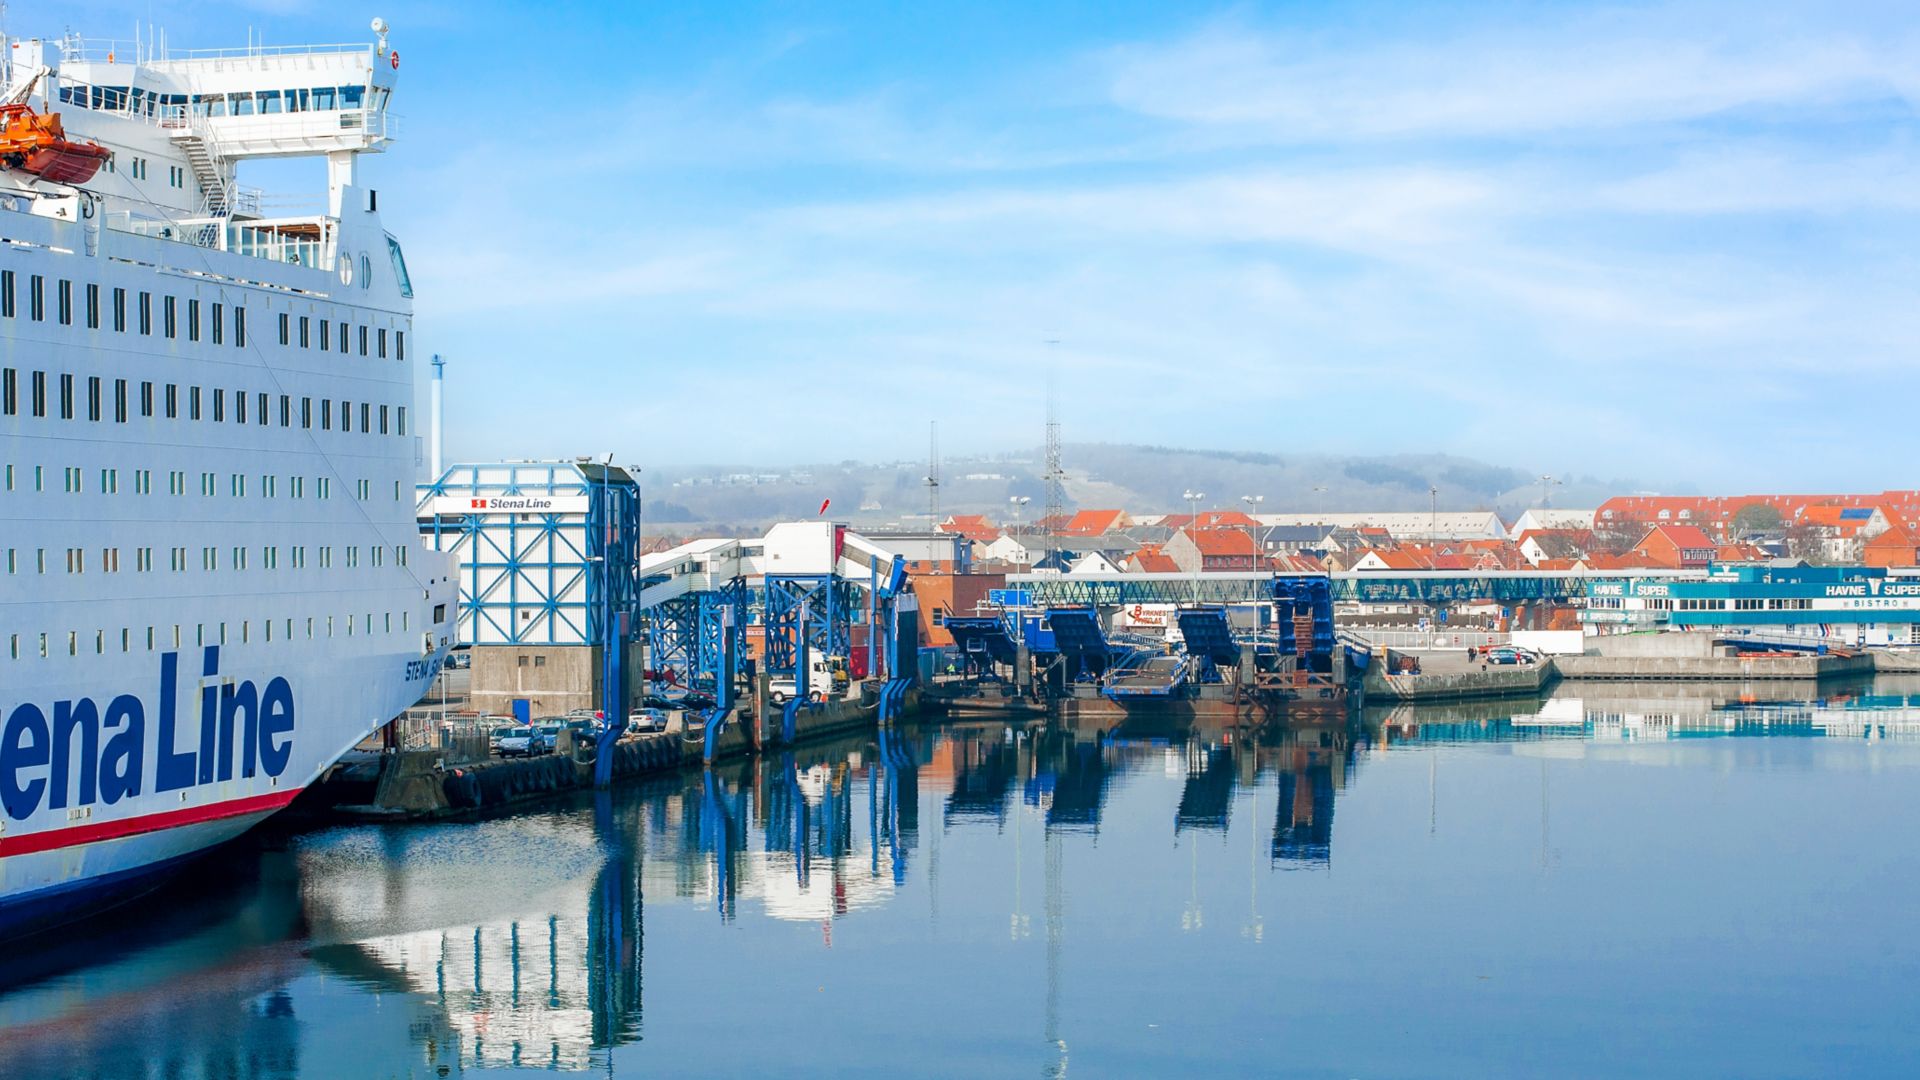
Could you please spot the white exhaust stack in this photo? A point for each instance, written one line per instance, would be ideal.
(439, 376)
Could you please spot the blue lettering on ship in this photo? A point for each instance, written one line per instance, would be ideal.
(78, 753)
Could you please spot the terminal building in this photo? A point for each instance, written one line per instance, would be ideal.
(1852, 605)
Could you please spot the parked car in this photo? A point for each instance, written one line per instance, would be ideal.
(696, 699)
(506, 727)
(517, 742)
(1507, 654)
(586, 730)
(546, 733)
(646, 721)
(459, 659)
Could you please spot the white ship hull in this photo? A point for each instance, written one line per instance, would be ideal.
(211, 581)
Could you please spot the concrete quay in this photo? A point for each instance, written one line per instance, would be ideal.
(423, 785)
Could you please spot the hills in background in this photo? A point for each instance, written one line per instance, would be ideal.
(1140, 479)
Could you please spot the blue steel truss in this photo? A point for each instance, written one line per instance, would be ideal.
(828, 603)
(673, 632)
(524, 578)
(721, 630)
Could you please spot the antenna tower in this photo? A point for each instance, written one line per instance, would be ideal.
(1056, 493)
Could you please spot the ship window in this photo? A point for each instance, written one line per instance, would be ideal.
(400, 342)
(269, 101)
(383, 419)
(119, 401)
(343, 339)
(9, 397)
(64, 292)
(93, 306)
(146, 313)
(363, 334)
(286, 410)
(193, 320)
(39, 393)
(296, 101)
(326, 417)
(146, 399)
(37, 297)
(260, 409)
(66, 397)
(6, 293)
(173, 401)
(326, 335)
(239, 406)
(219, 328)
(306, 412)
(399, 271)
(239, 328)
(402, 420)
(119, 311)
(346, 417)
(321, 98)
(168, 316)
(381, 343)
(286, 322)
(209, 104)
(219, 406)
(352, 96)
(306, 332)
(366, 413)
(93, 398)
(241, 104)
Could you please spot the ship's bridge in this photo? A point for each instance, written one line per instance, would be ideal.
(263, 101)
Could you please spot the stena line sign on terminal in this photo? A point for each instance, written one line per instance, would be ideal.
(456, 505)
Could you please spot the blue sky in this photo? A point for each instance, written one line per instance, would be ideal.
(1672, 242)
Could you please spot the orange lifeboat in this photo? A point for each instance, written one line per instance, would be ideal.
(39, 145)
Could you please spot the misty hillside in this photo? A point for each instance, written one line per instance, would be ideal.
(1142, 479)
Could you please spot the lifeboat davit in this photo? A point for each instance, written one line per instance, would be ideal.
(38, 144)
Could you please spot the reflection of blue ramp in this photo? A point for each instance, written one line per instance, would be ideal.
(1207, 634)
(982, 638)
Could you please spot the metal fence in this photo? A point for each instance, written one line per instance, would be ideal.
(461, 739)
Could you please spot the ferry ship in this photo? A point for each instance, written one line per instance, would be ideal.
(213, 584)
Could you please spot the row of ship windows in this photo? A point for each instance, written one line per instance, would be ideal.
(267, 630)
(340, 336)
(73, 481)
(209, 558)
(165, 398)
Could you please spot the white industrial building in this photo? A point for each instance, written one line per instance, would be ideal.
(1408, 524)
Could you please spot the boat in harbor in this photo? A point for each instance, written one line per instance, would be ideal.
(213, 582)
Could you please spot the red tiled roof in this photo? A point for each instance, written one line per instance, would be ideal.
(1092, 522)
(1222, 541)
(1154, 562)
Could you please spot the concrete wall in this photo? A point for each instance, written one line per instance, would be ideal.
(1675, 645)
(554, 678)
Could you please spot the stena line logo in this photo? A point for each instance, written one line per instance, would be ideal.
(511, 502)
(76, 753)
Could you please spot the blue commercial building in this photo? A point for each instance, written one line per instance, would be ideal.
(1855, 605)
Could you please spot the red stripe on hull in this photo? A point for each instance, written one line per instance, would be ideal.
(114, 830)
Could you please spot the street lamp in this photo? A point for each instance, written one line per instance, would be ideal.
(1547, 484)
(1193, 522)
(1253, 507)
(1019, 503)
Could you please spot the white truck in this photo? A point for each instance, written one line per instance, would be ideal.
(825, 675)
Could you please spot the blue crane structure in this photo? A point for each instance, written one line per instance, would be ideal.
(807, 581)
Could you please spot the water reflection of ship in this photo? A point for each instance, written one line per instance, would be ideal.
(189, 989)
(549, 982)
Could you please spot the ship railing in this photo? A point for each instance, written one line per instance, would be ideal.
(122, 50)
(288, 126)
(297, 241)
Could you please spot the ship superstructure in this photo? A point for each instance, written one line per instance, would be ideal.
(211, 583)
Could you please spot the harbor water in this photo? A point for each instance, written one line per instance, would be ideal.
(1619, 879)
